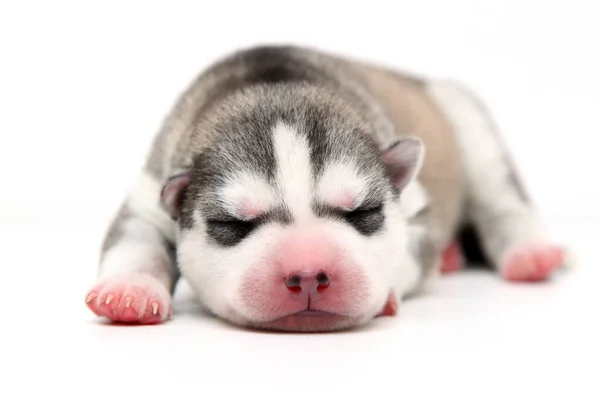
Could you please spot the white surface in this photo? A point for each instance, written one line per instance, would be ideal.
(100, 78)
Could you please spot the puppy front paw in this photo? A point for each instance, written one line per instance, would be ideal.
(138, 298)
(531, 262)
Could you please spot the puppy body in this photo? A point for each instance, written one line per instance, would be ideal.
(297, 190)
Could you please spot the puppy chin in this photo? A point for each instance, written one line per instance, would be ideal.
(308, 324)
(305, 322)
(302, 321)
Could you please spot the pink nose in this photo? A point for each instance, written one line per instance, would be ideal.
(307, 283)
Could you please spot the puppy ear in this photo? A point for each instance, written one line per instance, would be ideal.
(172, 193)
(403, 160)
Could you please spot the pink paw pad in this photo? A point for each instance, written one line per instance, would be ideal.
(452, 259)
(532, 263)
(131, 298)
(391, 307)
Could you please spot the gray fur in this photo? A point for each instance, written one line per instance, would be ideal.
(222, 123)
(424, 246)
(243, 141)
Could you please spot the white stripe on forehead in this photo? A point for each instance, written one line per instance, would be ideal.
(294, 169)
(248, 193)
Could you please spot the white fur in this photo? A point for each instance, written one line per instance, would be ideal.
(294, 172)
(247, 188)
(503, 217)
(341, 179)
(406, 274)
(144, 201)
(141, 249)
(216, 273)
(413, 198)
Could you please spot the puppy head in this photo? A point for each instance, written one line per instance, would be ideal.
(291, 218)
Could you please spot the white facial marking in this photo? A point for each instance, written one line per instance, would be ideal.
(220, 274)
(294, 170)
(340, 185)
(247, 194)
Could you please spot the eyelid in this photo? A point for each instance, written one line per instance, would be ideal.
(367, 207)
(223, 218)
(229, 219)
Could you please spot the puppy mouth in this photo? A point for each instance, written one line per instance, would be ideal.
(308, 320)
(314, 313)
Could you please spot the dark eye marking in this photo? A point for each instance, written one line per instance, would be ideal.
(367, 221)
(229, 232)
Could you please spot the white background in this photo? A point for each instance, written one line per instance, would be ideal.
(85, 85)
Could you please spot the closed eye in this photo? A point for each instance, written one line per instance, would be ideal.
(366, 220)
(229, 232)
(361, 213)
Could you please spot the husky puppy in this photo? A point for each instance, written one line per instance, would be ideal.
(302, 191)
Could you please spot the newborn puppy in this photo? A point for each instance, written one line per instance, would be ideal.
(302, 191)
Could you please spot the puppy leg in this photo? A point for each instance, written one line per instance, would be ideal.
(510, 232)
(452, 258)
(136, 273)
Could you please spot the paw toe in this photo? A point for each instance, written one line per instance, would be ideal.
(130, 299)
